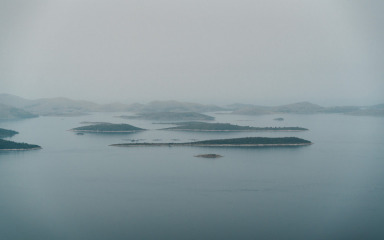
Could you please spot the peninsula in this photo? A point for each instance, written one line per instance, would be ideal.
(107, 128)
(226, 127)
(12, 146)
(231, 142)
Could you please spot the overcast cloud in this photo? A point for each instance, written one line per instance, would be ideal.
(261, 52)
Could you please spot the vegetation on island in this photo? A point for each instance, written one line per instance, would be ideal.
(210, 155)
(202, 126)
(231, 142)
(171, 116)
(108, 127)
(10, 145)
(4, 133)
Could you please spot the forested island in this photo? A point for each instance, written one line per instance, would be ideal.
(171, 116)
(7, 133)
(209, 155)
(202, 126)
(10, 145)
(231, 142)
(107, 128)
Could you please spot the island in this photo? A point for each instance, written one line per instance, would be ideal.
(12, 146)
(279, 119)
(171, 116)
(231, 142)
(108, 128)
(226, 127)
(210, 155)
(4, 133)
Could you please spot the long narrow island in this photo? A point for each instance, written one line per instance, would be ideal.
(231, 142)
(226, 127)
(107, 128)
(12, 146)
(6, 145)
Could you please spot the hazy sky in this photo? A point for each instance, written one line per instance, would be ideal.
(261, 52)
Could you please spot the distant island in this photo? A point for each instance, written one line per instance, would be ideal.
(10, 145)
(108, 128)
(279, 119)
(210, 155)
(232, 142)
(4, 133)
(171, 116)
(226, 127)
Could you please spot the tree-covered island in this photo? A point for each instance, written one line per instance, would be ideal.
(107, 128)
(10, 145)
(4, 133)
(231, 142)
(202, 126)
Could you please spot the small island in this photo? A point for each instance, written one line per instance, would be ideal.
(226, 127)
(232, 142)
(108, 128)
(279, 119)
(171, 116)
(4, 133)
(12, 146)
(210, 155)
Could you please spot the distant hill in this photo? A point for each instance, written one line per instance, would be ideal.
(107, 128)
(175, 106)
(171, 116)
(60, 107)
(50, 106)
(202, 126)
(370, 111)
(256, 110)
(341, 109)
(69, 107)
(298, 108)
(13, 113)
(14, 101)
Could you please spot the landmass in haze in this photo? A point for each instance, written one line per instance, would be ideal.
(13, 107)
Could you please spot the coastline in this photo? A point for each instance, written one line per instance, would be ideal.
(21, 149)
(97, 131)
(251, 130)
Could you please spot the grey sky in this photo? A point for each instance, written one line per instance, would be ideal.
(261, 52)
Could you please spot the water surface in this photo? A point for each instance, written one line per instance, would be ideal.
(78, 187)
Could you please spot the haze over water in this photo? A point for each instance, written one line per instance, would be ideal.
(77, 187)
(213, 52)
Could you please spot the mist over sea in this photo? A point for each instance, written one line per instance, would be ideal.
(78, 187)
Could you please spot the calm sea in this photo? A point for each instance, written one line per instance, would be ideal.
(78, 187)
